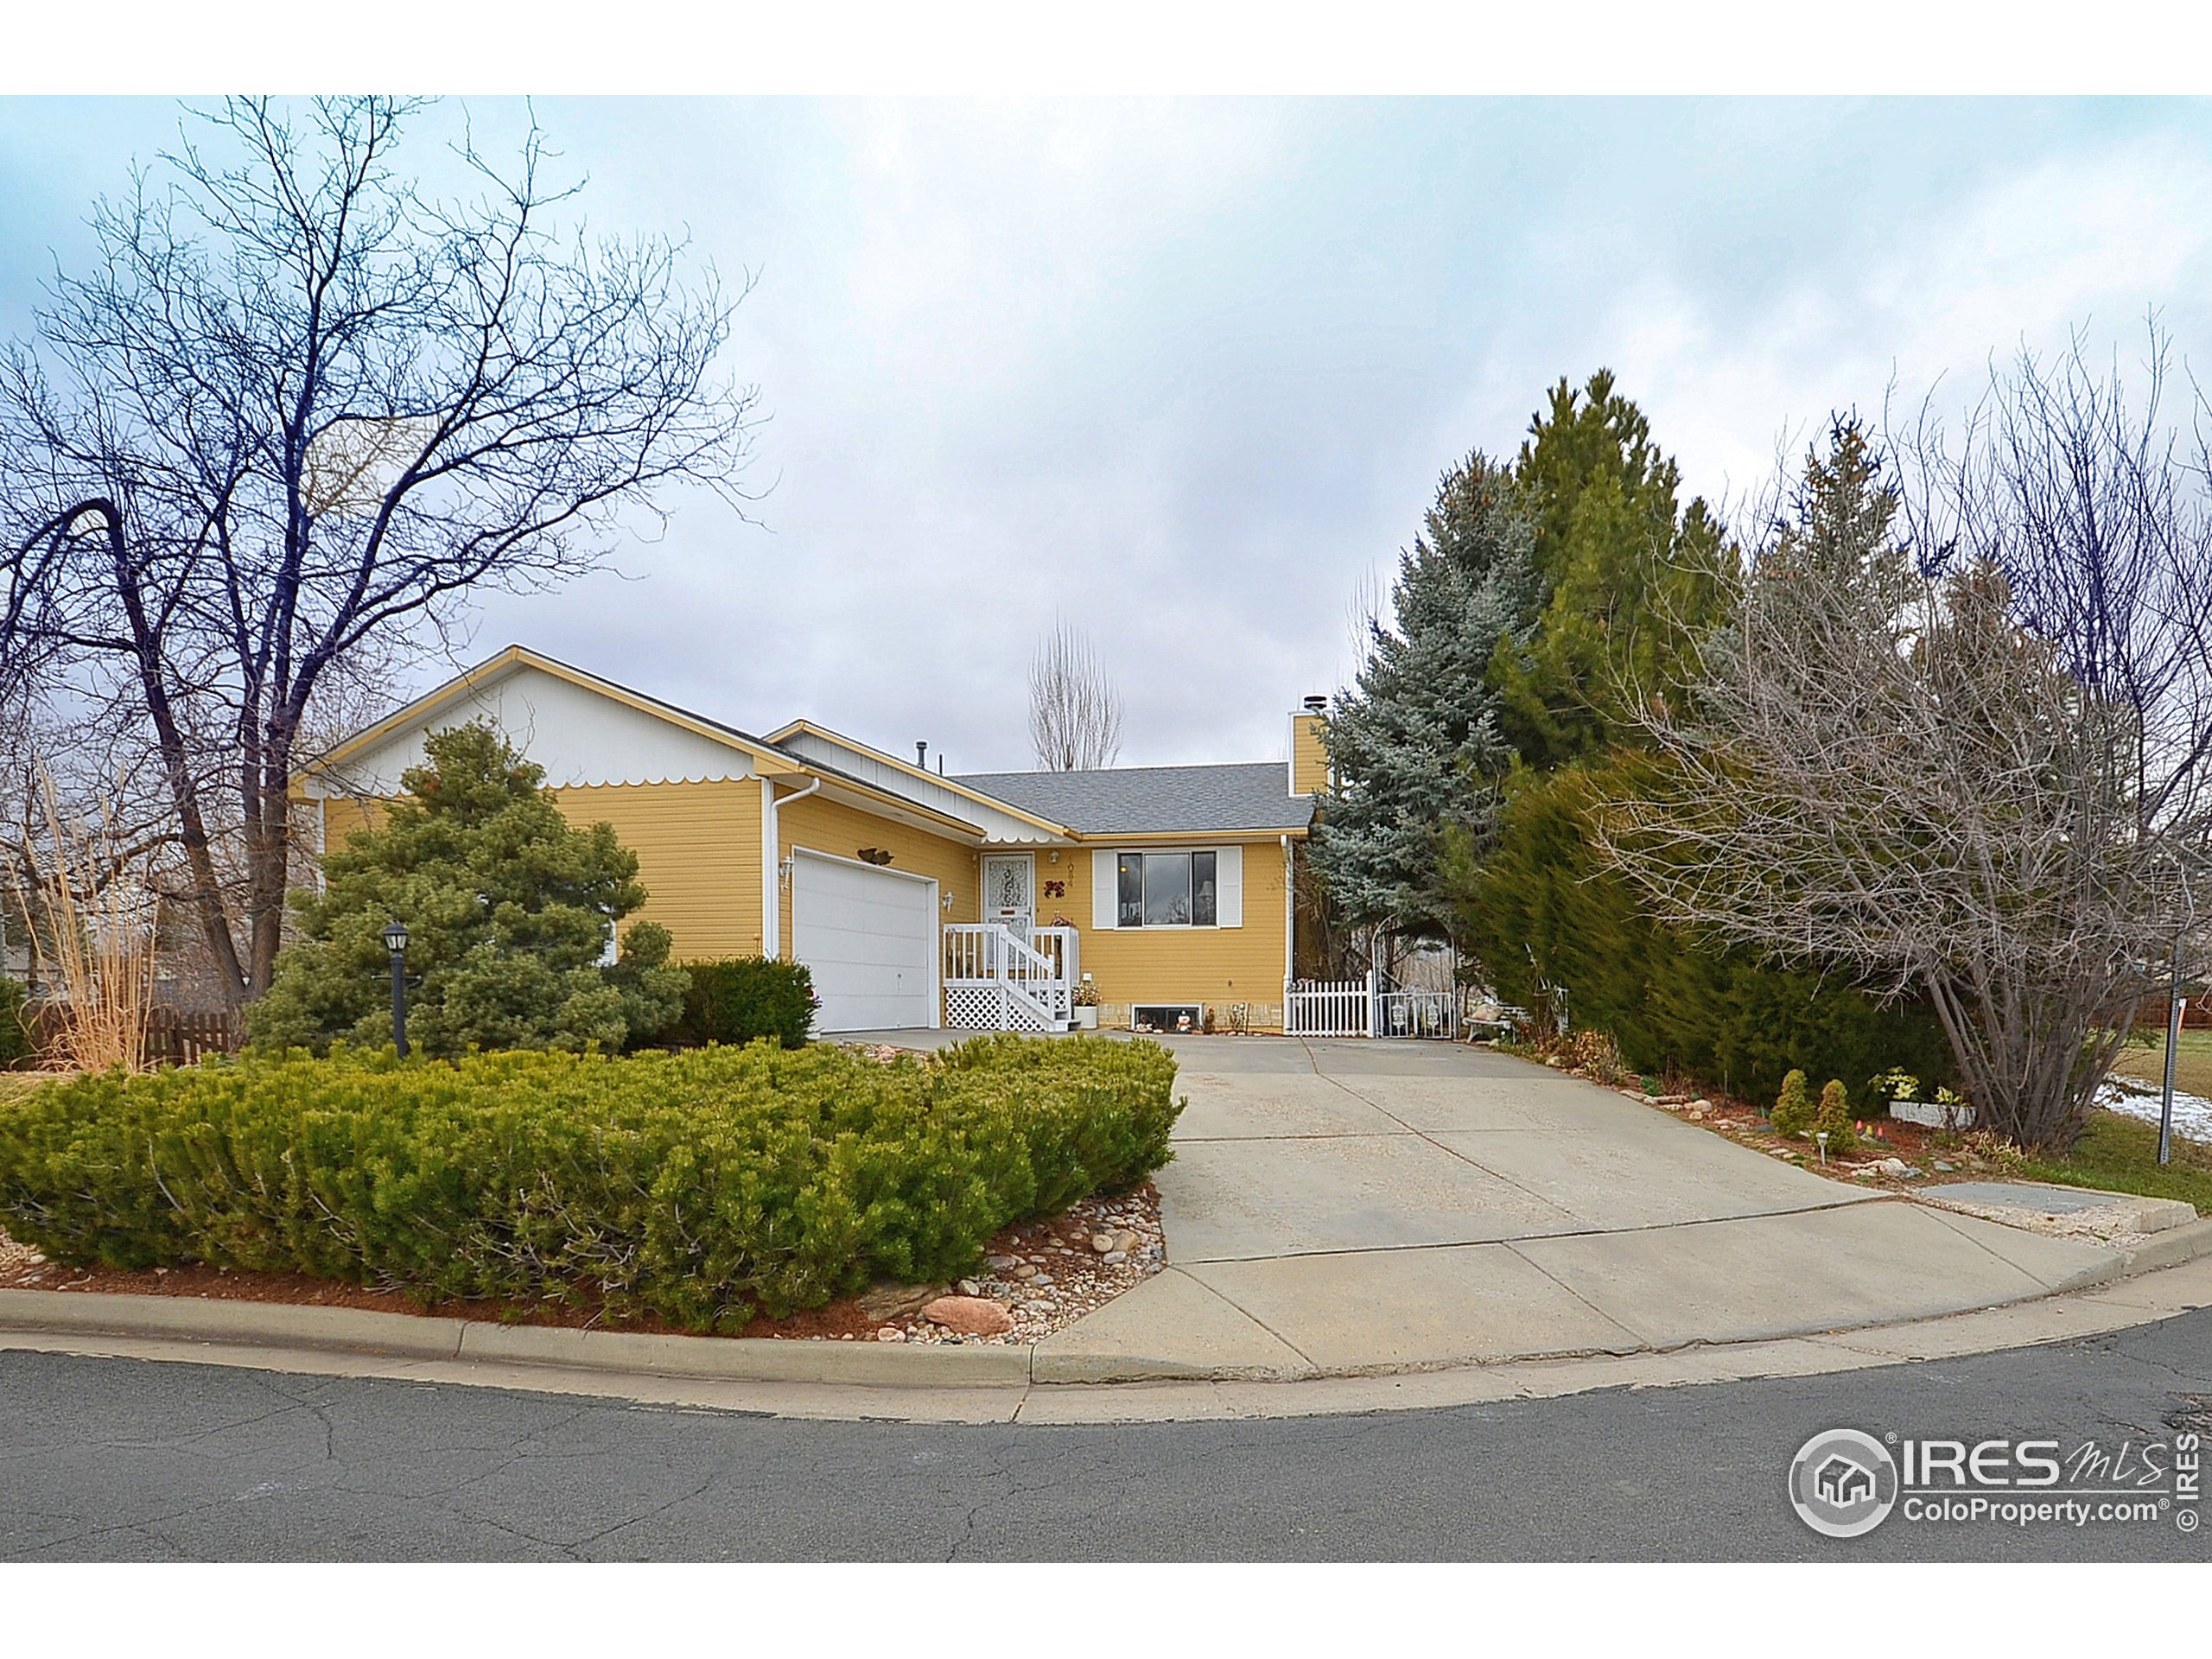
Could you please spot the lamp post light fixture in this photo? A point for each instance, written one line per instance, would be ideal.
(395, 941)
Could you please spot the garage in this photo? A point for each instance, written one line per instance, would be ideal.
(869, 934)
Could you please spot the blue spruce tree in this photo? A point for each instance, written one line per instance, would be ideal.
(1414, 748)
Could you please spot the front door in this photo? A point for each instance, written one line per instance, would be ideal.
(1009, 892)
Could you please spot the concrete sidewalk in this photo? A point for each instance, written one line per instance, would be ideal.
(1351, 1208)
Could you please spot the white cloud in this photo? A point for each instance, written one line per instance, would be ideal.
(2093, 239)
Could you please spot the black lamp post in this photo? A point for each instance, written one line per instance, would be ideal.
(395, 940)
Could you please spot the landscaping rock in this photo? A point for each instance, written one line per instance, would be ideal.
(1001, 1263)
(1126, 1240)
(1102, 1242)
(891, 1333)
(969, 1287)
(1114, 1258)
(885, 1302)
(970, 1316)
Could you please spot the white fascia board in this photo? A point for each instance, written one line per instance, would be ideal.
(996, 826)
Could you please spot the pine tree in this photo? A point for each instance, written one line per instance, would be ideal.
(509, 909)
(1623, 577)
(1416, 748)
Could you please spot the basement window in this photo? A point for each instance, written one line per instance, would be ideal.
(1167, 890)
(1170, 1016)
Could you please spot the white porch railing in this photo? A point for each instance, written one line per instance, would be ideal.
(1361, 1008)
(995, 981)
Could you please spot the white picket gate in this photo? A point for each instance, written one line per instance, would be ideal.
(1361, 1008)
(1324, 1008)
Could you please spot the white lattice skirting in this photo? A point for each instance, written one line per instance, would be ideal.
(985, 1007)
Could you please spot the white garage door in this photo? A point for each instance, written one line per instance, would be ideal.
(870, 938)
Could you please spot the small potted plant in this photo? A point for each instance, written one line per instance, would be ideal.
(1085, 1000)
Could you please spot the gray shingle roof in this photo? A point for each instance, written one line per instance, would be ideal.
(1133, 800)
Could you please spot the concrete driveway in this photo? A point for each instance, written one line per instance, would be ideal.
(1367, 1206)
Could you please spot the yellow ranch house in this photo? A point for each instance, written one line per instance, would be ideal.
(999, 900)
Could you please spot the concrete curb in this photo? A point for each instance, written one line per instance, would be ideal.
(193, 1318)
(760, 1360)
(409, 1336)
(2170, 1249)
(757, 1359)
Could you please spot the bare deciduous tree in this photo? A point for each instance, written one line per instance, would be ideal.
(1954, 736)
(1075, 714)
(296, 412)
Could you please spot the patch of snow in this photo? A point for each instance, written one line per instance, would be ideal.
(2192, 1113)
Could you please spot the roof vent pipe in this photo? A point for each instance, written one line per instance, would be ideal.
(921, 756)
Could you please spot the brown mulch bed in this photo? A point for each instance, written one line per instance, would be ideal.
(1061, 1246)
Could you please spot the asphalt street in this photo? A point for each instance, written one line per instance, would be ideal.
(104, 1458)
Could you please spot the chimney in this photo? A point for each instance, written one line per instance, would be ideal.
(1309, 756)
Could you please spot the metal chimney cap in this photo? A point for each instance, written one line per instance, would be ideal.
(1316, 704)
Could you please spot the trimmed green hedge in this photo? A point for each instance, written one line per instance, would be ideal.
(741, 999)
(701, 1186)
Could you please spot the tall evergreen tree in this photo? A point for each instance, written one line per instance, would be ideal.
(1624, 575)
(1416, 748)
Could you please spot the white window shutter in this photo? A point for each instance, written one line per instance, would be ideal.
(1229, 886)
(1105, 889)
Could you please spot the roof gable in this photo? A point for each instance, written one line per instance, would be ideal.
(583, 730)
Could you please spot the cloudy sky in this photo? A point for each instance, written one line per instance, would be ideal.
(1184, 372)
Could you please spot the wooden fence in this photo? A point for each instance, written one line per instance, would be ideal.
(180, 1036)
(173, 1036)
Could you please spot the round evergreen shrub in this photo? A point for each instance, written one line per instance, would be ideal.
(1793, 1107)
(743, 999)
(1833, 1118)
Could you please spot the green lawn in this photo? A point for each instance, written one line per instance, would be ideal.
(2120, 1154)
(2192, 1066)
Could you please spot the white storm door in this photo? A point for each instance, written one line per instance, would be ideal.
(870, 936)
(1010, 891)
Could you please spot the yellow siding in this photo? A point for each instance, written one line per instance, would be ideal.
(698, 848)
(1309, 757)
(340, 818)
(831, 827)
(1214, 965)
